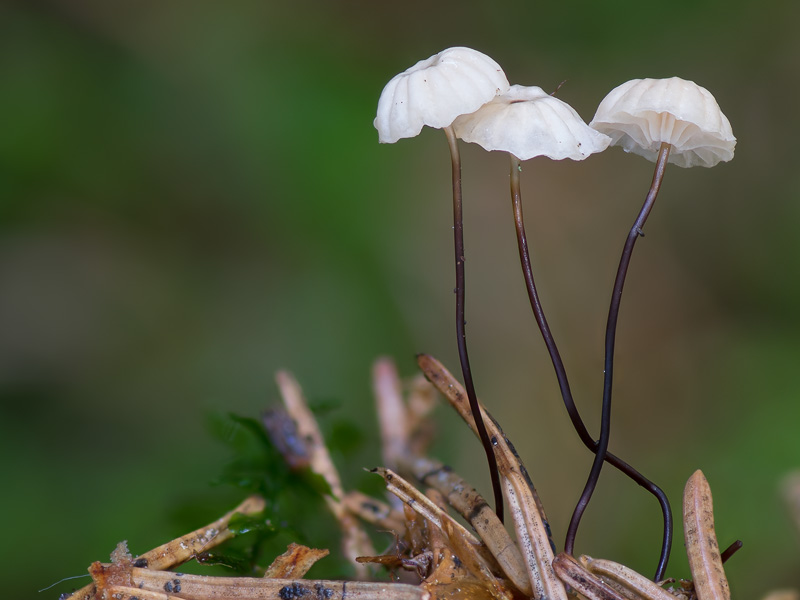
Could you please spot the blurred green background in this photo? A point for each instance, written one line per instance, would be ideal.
(192, 196)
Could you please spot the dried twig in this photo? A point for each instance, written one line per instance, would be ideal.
(399, 421)
(354, 539)
(251, 588)
(582, 581)
(422, 399)
(184, 548)
(451, 562)
(629, 580)
(530, 522)
(118, 592)
(466, 500)
(420, 503)
(391, 411)
(705, 563)
(469, 550)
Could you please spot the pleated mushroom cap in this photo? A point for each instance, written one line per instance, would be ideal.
(528, 122)
(435, 91)
(642, 113)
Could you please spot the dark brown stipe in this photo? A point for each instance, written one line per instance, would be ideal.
(561, 372)
(731, 550)
(611, 328)
(461, 335)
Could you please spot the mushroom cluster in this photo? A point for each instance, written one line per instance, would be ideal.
(466, 93)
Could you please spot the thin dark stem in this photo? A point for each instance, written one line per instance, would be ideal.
(461, 334)
(561, 372)
(611, 328)
(731, 550)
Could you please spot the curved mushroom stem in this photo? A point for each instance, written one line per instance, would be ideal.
(461, 335)
(561, 372)
(611, 329)
(730, 551)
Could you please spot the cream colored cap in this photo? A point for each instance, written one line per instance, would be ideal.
(435, 91)
(528, 122)
(642, 113)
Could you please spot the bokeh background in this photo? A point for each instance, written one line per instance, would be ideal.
(192, 196)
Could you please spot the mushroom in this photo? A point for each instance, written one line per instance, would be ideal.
(664, 120)
(527, 122)
(641, 114)
(434, 92)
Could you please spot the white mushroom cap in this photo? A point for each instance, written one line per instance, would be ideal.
(435, 91)
(528, 122)
(642, 113)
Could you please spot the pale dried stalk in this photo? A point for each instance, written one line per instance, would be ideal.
(470, 550)
(420, 503)
(466, 500)
(404, 425)
(530, 522)
(630, 580)
(355, 541)
(118, 592)
(532, 538)
(391, 411)
(702, 549)
(186, 547)
(398, 420)
(582, 581)
(246, 588)
(422, 399)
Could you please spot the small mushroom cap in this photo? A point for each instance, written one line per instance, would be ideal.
(528, 122)
(642, 113)
(435, 91)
